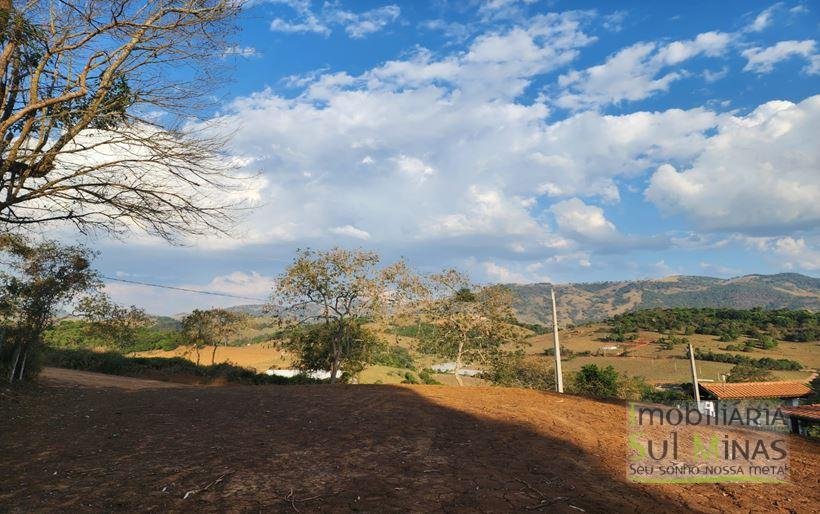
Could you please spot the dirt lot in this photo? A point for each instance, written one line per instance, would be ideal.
(85, 442)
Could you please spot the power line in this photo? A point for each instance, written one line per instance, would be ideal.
(212, 293)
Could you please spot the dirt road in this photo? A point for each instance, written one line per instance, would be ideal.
(87, 442)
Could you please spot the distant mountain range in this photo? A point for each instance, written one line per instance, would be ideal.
(256, 310)
(596, 301)
(600, 300)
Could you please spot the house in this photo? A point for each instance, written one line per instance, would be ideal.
(740, 394)
(802, 417)
(788, 392)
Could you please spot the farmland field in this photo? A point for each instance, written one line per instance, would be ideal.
(646, 358)
(259, 357)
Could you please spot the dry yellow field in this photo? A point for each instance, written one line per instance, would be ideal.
(667, 370)
(256, 356)
(647, 359)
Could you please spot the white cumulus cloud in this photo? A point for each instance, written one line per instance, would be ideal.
(350, 231)
(356, 24)
(760, 172)
(763, 60)
(636, 72)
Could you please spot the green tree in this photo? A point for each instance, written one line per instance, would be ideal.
(112, 323)
(38, 279)
(597, 382)
(320, 347)
(815, 387)
(766, 342)
(340, 290)
(212, 327)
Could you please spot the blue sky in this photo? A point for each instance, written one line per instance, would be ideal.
(518, 140)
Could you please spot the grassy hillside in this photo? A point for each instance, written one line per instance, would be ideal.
(597, 301)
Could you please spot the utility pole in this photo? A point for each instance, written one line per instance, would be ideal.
(559, 379)
(694, 376)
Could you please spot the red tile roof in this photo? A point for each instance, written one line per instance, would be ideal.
(804, 411)
(738, 390)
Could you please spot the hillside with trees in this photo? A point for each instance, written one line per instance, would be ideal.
(583, 302)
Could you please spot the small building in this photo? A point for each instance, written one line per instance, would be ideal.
(788, 392)
(740, 396)
(802, 417)
(450, 367)
(746, 394)
(290, 373)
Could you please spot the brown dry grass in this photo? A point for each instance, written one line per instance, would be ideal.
(256, 356)
(658, 365)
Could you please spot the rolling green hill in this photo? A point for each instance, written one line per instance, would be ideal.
(596, 301)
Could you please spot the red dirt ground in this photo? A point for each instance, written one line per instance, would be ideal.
(87, 442)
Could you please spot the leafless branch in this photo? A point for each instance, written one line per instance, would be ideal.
(83, 87)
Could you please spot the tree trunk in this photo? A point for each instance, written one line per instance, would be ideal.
(197, 355)
(213, 355)
(334, 368)
(23, 365)
(14, 364)
(457, 367)
(337, 358)
(337, 353)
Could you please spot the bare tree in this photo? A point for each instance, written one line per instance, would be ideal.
(469, 323)
(94, 98)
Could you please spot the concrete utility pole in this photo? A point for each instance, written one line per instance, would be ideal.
(559, 379)
(694, 375)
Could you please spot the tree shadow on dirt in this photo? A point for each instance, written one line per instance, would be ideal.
(324, 448)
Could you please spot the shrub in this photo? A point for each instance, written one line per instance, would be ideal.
(410, 378)
(764, 362)
(766, 342)
(515, 371)
(396, 357)
(426, 376)
(815, 387)
(619, 337)
(728, 336)
(669, 342)
(666, 396)
(596, 382)
(746, 373)
(566, 353)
